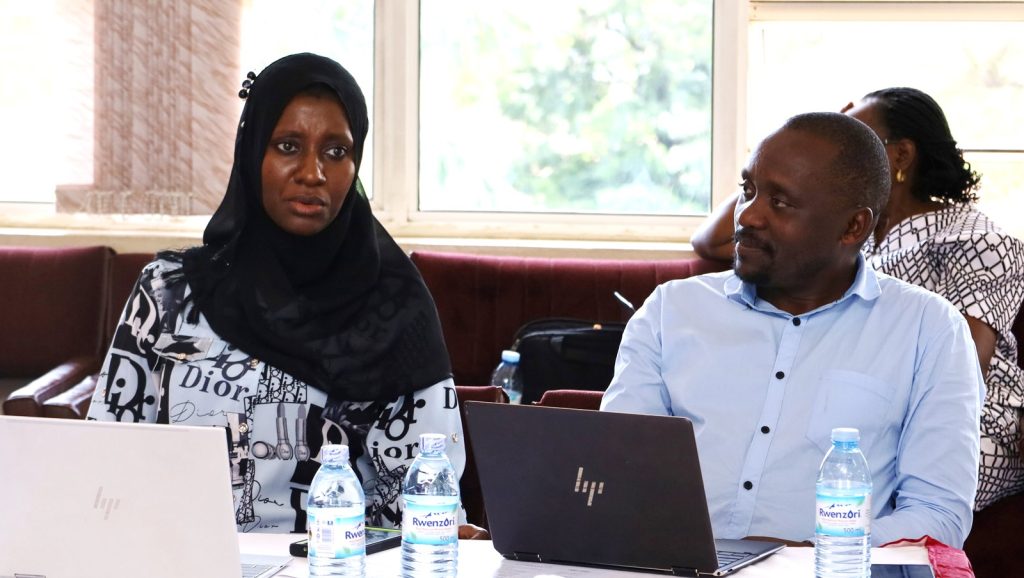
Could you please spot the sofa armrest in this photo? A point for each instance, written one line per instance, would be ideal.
(28, 400)
(72, 403)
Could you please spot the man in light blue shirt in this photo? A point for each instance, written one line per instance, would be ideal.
(802, 337)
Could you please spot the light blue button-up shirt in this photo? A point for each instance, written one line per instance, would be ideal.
(765, 388)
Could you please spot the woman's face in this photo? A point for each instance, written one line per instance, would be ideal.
(308, 167)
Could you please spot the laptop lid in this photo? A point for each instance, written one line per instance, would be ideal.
(589, 487)
(85, 498)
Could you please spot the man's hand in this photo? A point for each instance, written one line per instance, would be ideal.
(472, 532)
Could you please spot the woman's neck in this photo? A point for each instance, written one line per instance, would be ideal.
(902, 204)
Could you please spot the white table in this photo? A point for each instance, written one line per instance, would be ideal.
(478, 559)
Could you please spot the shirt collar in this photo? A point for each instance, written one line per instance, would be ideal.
(865, 285)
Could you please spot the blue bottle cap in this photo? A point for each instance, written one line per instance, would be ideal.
(510, 356)
(432, 443)
(845, 434)
(334, 454)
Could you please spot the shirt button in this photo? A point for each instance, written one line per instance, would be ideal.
(747, 485)
(181, 357)
(779, 375)
(765, 429)
(254, 362)
(796, 321)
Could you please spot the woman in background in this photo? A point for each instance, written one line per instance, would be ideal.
(930, 234)
(298, 322)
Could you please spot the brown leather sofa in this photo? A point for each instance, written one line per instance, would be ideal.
(52, 307)
(58, 308)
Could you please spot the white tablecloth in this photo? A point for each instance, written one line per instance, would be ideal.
(478, 559)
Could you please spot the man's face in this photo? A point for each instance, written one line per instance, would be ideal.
(788, 218)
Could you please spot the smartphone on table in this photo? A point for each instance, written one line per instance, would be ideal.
(901, 571)
(377, 539)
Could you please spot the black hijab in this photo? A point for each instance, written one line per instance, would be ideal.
(343, 310)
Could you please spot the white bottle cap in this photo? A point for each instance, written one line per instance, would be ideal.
(334, 454)
(845, 434)
(432, 443)
(510, 356)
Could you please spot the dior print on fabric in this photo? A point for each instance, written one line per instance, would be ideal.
(162, 367)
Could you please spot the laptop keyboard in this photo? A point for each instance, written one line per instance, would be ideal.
(255, 570)
(727, 558)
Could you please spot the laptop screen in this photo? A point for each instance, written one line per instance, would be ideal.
(592, 487)
(115, 500)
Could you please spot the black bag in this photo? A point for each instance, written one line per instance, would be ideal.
(566, 354)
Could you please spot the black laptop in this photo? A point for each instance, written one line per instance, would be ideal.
(599, 489)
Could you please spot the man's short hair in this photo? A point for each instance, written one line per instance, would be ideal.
(860, 172)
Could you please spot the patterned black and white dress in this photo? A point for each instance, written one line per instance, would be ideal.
(162, 368)
(959, 253)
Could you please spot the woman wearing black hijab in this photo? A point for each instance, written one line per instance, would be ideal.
(298, 322)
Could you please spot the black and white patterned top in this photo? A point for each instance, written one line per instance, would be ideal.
(162, 368)
(959, 253)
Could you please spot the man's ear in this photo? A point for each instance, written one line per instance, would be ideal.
(860, 224)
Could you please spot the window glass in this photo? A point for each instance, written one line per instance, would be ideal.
(46, 98)
(590, 106)
(1002, 180)
(973, 70)
(339, 30)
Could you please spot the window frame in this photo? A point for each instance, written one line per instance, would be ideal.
(396, 172)
(886, 10)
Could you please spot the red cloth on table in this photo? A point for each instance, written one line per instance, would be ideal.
(946, 561)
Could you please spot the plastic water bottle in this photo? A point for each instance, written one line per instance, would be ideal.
(506, 376)
(336, 517)
(843, 531)
(430, 518)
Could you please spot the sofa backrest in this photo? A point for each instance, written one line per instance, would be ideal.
(123, 275)
(52, 306)
(483, 300)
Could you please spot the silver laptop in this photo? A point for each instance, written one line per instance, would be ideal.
(599, 488)
(84, 499)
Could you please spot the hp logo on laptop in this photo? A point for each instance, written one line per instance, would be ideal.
(105, 504)
(589, 488)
